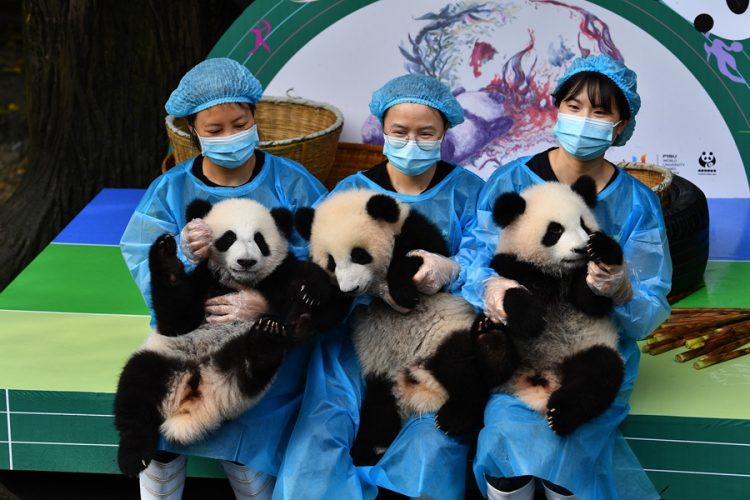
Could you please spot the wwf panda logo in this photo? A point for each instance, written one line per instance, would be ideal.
(727, 19)
(707, 159)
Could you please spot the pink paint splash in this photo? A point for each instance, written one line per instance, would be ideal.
(480, 54)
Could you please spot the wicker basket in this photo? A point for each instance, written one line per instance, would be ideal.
(351, 158)
(659, 179)
(298, 129)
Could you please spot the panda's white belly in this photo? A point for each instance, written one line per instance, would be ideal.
(387, 341)
(568, 331)
(199, 343)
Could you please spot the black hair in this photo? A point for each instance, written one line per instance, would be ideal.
(190, 119)
(601, 91)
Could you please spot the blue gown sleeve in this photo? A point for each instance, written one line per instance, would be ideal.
(152, 217)
(466, 199)
(646, 252)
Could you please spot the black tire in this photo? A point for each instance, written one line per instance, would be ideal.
(687, 221)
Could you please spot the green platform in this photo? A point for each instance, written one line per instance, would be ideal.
(72, 318)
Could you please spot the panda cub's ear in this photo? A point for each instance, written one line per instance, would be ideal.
(507, 208)
(586, 187)
(383, 207)
(283, 218)
(303, 220)
(197, 209)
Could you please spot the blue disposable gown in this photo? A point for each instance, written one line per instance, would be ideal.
(422, 460)
(515, 440)
(258, 437)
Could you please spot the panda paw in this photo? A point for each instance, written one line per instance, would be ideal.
(483, 324)
(163, 261)
(602, 248)
(309, 296)
(563, 413)
(131, 461)
(269, 328)
(455, 421)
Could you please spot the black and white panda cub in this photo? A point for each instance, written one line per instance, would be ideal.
(423, 361)
(190, 376)
(569, 367)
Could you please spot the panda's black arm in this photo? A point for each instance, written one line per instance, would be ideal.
(528, 275)
(417, 233)
(177, 297)
(584, 299)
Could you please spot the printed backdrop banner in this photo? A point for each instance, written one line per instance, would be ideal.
(502, 60)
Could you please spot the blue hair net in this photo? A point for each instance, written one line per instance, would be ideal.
(421, 89)
(620, 74)
(212, 82)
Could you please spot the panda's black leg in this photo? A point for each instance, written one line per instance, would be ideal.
(255, 357)
(454, 365)
(590, 381)
(496, 352)
(140, 392)
(177, 297)
(379, 422)
(400, 285)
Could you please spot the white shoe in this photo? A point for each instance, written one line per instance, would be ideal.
(525, 492)
(247, 483)
(163, 481)
(551, 495)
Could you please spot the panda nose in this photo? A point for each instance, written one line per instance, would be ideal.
(246, 263)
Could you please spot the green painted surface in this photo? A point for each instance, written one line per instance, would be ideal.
(75, 278)
(64, 428)
(693, 458)
(727, 285)
(66, 352)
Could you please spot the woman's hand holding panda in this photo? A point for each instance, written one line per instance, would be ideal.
(494, 297)
(245, 305)
(435, 272)
(607, 272)
(195, 239)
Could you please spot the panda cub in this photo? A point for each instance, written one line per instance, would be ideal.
(190, 376)
(423, 361)
(569, 367)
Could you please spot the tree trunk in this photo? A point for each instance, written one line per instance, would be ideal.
(98, 73)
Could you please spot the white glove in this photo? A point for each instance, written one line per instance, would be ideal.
(245, 305)
(494, 295)
(435, 273)
(195, 240)
(609, 281)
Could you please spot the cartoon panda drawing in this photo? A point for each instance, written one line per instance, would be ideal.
(426, 360)
(569, 368)
(190, 376)
(707, 160)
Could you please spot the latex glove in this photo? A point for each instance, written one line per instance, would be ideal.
(195, 240)
(435, 272)
(494, 295)
(609, 281)
(245, 305)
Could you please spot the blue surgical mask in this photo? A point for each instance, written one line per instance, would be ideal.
(411, 157)
(230, 151)
(584, 138)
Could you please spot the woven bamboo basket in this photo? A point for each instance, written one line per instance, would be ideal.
(659, 179)
(301, 130)
(351, 158)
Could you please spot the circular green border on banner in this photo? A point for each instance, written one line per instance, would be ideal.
(269, 32)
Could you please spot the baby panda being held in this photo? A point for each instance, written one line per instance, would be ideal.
(190, 376)
(569, 367)
(425, 360)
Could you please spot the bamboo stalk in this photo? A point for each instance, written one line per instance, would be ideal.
(703, 363)
(694, 353)
(698, 310)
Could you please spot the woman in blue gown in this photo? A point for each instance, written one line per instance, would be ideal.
(415, 111)
(218, 98)
(597, 102)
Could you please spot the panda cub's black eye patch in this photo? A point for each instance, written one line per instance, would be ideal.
(262, 245)
(226, 240)
(585, 227)
(331, 266)
(552, 236)
(360, 256)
